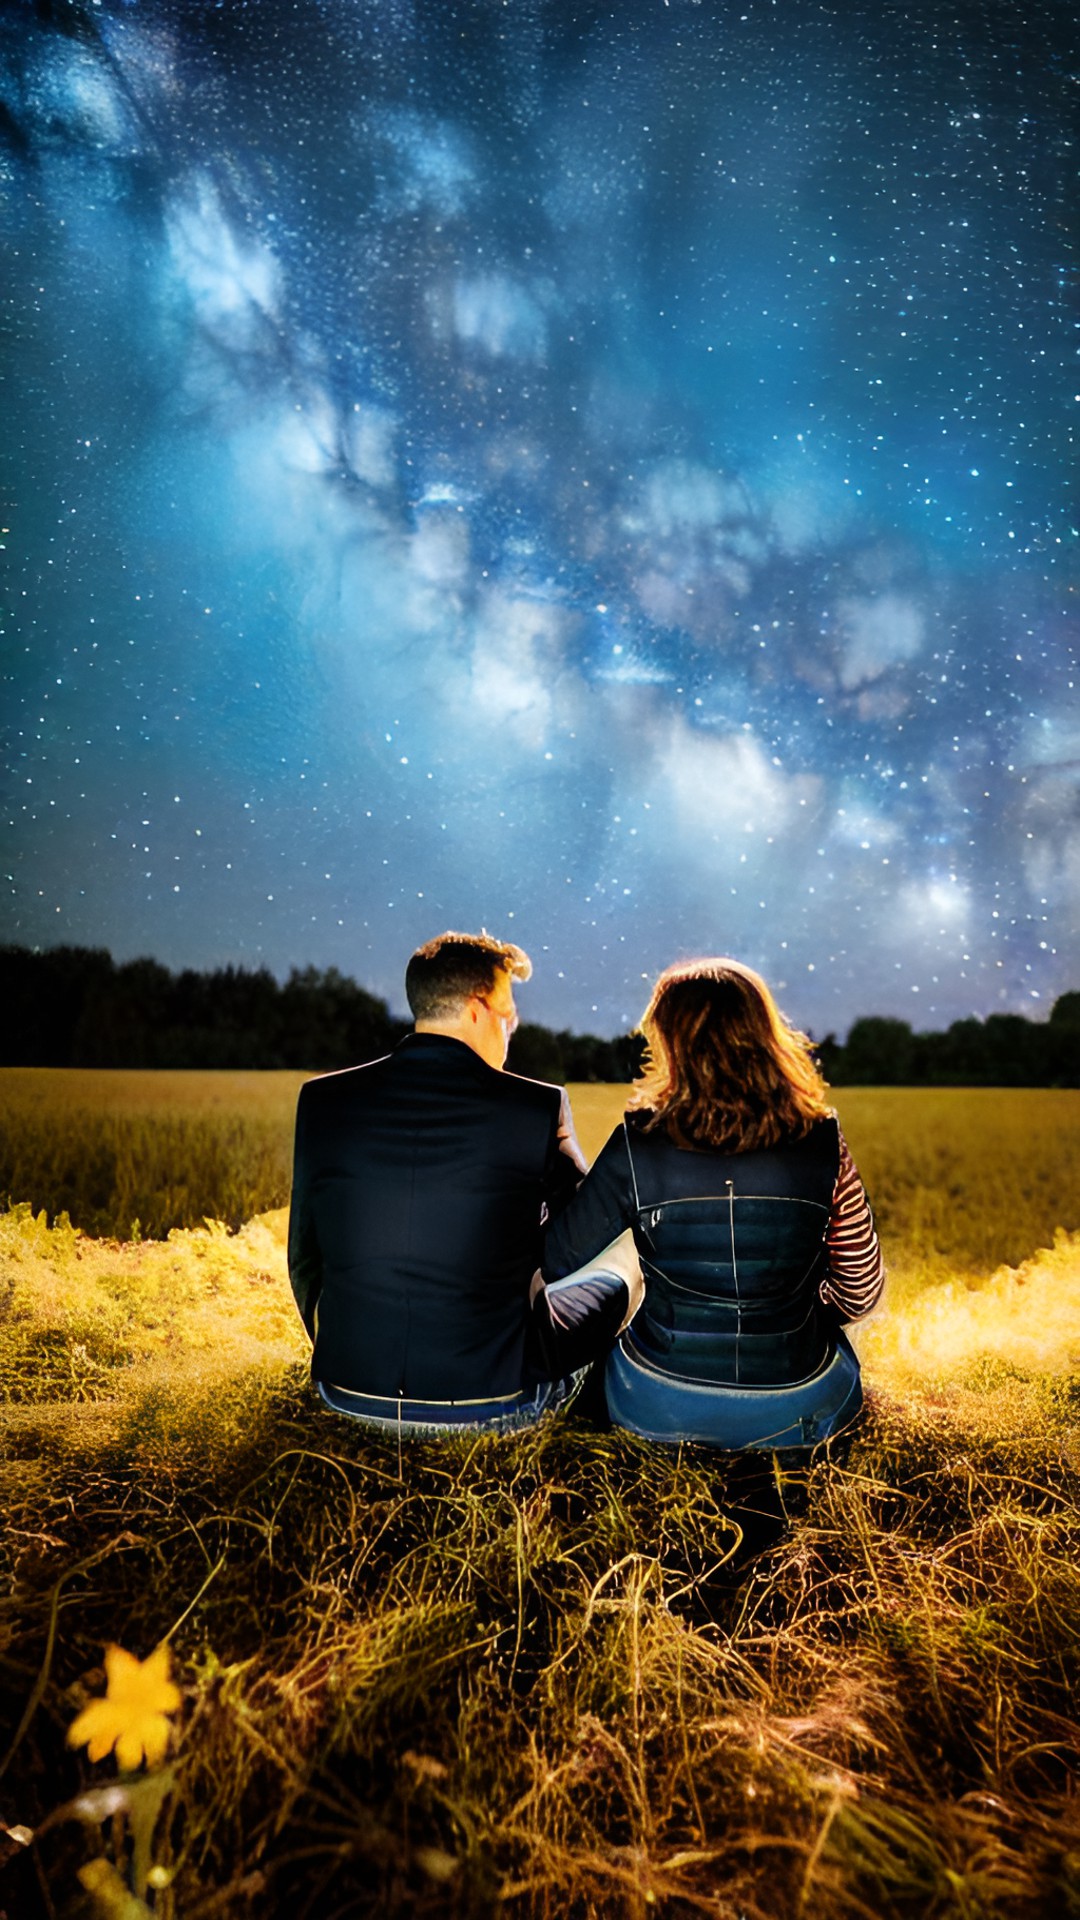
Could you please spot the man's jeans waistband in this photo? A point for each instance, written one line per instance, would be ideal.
(503, 1415)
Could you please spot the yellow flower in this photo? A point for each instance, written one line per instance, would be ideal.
(132, 1717)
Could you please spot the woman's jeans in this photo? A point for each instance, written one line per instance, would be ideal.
(661, 1406)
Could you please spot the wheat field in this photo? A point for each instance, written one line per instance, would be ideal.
(969, 1179)
(565, 1674)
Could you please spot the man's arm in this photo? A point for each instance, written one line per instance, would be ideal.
(305, 1258)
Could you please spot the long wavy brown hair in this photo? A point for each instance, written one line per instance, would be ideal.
(724, 1068)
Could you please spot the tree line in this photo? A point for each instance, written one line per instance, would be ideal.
(1004, 1050)
(77, 1007)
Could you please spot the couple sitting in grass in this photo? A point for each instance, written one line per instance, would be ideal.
(457, 1265)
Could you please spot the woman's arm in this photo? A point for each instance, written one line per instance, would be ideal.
(856, 1272)
(567, 1165)
(602, 1206)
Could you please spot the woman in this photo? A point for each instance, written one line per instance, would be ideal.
(753, 1229)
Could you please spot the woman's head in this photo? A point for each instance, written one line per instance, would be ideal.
(724, 1068)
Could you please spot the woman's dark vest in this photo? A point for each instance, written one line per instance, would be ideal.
(733, 1251)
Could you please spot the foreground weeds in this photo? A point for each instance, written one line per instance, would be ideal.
(541, 1675)
(563, 1674)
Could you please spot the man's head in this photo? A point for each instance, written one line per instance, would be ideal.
(461, 984)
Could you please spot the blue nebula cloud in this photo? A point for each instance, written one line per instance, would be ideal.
(600, 473)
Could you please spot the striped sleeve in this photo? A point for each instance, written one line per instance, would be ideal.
(855, 1273)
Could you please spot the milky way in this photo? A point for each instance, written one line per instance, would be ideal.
(599, 472)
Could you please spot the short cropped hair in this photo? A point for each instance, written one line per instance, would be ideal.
(447, 971)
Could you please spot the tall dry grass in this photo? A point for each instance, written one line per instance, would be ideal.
(962, 1180)
(967, 1178)
(534, 1677)
(564, 1674)
(130, 1153)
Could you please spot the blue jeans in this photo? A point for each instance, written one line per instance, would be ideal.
(506, 1415)
(588, 1313)
(662, 1406)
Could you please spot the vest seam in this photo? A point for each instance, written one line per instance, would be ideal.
(696, 1199)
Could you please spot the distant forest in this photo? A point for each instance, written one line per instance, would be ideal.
(75, 1007)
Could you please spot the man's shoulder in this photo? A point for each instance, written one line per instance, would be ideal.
(449, 1062)
(344, 1082)
(539, 1093)
(453, 1067)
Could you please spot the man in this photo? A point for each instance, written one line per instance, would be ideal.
(420, 1188)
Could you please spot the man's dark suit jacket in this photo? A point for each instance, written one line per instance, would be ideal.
(418, 1194)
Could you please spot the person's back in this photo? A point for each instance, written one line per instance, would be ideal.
(421, 1185)
(735, 1256)
(754, 1232)
(421, 1181)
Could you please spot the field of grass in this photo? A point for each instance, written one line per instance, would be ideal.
(127, 1152)
(968, 1179)
(543, 1676)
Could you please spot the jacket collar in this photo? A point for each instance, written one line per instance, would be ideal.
(443, 1045)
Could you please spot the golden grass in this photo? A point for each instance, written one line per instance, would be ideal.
(539, 1676)
(128, 1153)
(962, 1180)
(86, 1319)
(970, 1178)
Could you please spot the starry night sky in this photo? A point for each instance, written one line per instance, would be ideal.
(598, 471)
